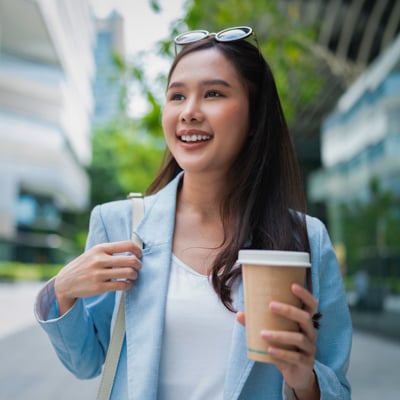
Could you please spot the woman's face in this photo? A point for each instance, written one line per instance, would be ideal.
(206, 114)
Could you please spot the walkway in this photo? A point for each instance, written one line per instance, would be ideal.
(29, 368)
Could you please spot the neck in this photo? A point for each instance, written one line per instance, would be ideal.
(202, 194)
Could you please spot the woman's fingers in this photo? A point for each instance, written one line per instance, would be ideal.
(126, 246)
(116, 285)
(240, 317)
(310, 305)
(301, 317)
(309, 302)
(293, 353)
(103, 268)
(296, 340)
(118, 273)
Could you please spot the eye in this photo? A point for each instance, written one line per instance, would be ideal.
(214, 93)
(176, 97)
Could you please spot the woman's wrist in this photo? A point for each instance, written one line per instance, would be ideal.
(64, 306)
(64, 303)
(310, 392)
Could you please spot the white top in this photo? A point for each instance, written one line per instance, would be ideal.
(197, 338)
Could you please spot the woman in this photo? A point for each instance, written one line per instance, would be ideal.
(230, 180)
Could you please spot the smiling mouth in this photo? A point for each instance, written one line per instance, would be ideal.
(194, 138)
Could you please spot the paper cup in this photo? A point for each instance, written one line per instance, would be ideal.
(267, 276)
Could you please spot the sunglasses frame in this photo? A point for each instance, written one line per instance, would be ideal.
(219, 36)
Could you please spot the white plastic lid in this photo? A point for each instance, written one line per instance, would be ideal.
(275, 257)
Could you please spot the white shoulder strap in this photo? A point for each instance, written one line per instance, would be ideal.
(137, 214)
(117, 337)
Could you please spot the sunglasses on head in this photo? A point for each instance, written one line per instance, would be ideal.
(226, 35)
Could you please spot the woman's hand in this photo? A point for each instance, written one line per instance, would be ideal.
(296, 366)
(97, 271)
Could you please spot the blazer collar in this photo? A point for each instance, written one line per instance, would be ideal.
(157, 224)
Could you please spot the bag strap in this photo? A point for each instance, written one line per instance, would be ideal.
(118, 334)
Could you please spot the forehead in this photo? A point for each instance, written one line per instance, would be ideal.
(205, 63)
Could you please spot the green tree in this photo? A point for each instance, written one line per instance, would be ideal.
(123, 160)
(372, 227)
(126, 153)
(121, 163)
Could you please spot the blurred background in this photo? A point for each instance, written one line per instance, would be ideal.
(81, 94)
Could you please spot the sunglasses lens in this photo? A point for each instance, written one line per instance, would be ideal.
(232, 34)
(190, 37)
(227, 35)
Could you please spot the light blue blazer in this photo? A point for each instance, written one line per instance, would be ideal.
(81, 336)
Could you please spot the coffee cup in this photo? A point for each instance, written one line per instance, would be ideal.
(268, 276)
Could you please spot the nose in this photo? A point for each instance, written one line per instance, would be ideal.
(191, 111)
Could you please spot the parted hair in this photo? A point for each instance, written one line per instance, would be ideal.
(264, 205)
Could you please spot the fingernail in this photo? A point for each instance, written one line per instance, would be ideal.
(296, 287)
(275, 306)
(266, 334)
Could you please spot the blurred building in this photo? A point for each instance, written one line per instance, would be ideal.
(107, 85)
(46, 72)
(360, 140)
(350, 35)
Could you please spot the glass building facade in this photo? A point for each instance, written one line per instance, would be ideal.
(360, 148)
(46, 102)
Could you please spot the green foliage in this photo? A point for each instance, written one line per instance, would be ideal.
(14, 271)
(155, 5)
(127, 152)
(123, 161)
(371, 228)
(150, 122)
(104, 166)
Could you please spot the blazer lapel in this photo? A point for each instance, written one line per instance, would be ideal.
(239, 366)
(145, 301)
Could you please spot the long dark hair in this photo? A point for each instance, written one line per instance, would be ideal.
(264, 206)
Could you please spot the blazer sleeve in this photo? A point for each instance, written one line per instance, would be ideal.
(335, 333)
(81, 336)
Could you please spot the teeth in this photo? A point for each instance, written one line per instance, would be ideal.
(195, 138)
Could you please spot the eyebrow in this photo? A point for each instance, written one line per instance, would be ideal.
(208, 82)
